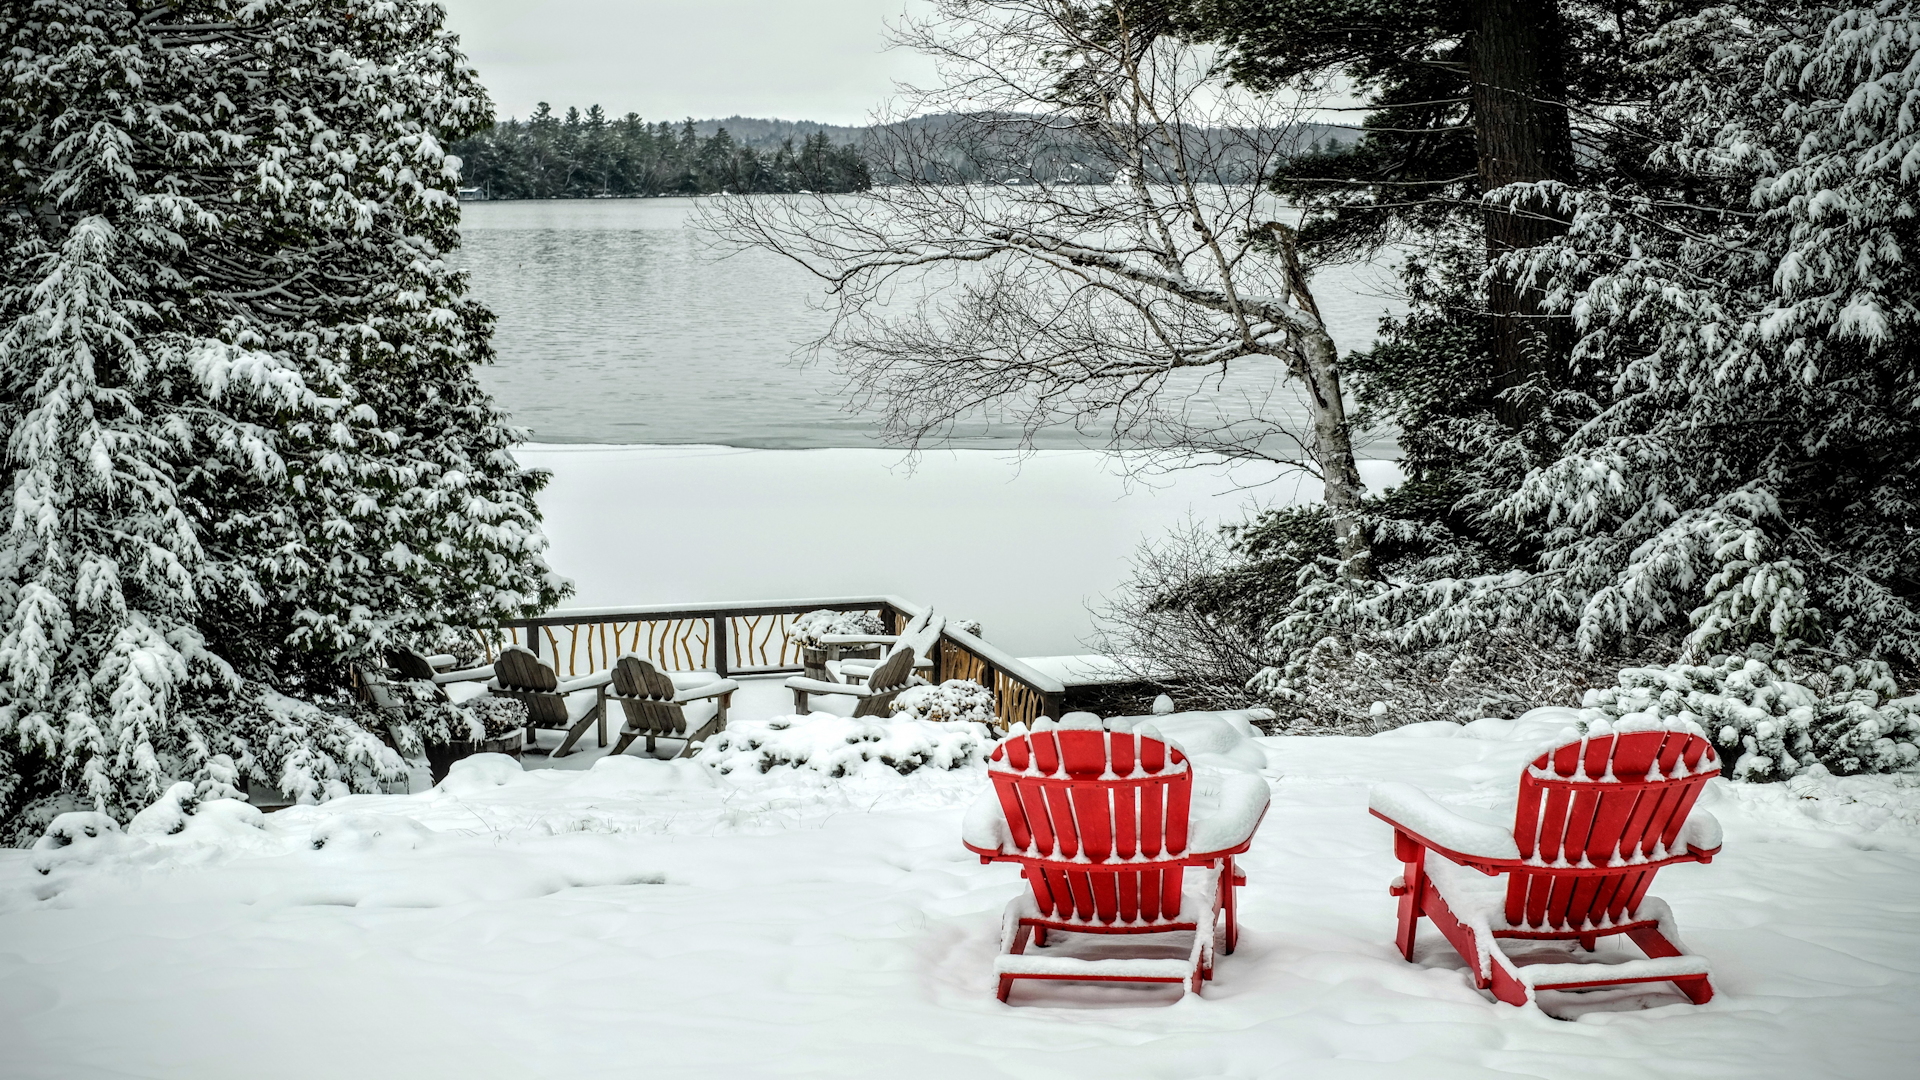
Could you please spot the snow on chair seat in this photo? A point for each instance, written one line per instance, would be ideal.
(1104, 823)
(551, 701)
(893, 675)
(1596, 817)
(655, 702)
(921, 637)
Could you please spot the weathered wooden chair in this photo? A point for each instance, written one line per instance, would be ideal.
(1596, 817)
(885, 683)
(1105, 824)
(409, 664)
(921, 636)
(655, 702)
(550, 701)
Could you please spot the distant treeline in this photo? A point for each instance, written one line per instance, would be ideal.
(584, 155)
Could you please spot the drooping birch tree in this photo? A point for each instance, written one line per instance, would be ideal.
(1156, 298)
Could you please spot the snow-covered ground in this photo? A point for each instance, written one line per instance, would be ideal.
(1022, 546)
(635, 917)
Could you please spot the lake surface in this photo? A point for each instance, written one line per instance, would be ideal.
(620, 324)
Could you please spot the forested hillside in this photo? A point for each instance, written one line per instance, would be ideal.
(586, 155)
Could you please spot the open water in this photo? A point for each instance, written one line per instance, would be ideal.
(620, 324)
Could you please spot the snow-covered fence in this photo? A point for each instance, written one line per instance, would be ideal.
(753, 638)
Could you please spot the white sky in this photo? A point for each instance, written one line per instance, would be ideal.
(822, 60)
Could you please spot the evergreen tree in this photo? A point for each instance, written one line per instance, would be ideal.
(1734, 467)
(245, 443)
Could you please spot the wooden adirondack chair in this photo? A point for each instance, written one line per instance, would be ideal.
(894, 674)
(411, 665)
(1105, 825)
(550, 701)
(920, 636)
(655, 702)
(1596, 817)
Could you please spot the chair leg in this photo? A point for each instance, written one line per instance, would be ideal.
(600, 710)
(1413, 888)
(1230, 882)
(800, 702)
(573, 735)
(1698, 988)
(1019, 946)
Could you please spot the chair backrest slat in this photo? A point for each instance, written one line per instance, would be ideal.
(1081, 801)
(1596, 810)
(410, 665)
(518, 669)
(893, 672)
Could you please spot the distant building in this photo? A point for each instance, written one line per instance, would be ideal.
(471, 194)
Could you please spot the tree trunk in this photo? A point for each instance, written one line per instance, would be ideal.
(1520, 123)
(1318, 367)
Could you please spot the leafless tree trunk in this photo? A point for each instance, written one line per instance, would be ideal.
(1071, 230)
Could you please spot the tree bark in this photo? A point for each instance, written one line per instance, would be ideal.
(1318, 367)
(1518, 74)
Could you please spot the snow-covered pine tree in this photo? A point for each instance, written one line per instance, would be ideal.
(1753, 473)
(236, 372)
(1735, 461)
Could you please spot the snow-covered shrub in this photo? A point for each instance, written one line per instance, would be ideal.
(1773, 719)
(1364, 682)
(491, 717)
(806, 630)
(954, 700)
(841, 746)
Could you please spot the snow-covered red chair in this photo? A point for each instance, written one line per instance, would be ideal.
(1114, 834)
(1597, 816)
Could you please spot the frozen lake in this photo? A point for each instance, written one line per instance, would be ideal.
(618, 324)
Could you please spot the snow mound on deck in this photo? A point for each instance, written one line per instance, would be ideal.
(838, 746)
(1547, 723)
(1220, 740)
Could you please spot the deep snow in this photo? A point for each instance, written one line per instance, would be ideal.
(635, 917)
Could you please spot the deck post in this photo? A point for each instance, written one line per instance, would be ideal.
(720, 645)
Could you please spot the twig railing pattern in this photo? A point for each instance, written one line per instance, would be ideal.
(755, 639)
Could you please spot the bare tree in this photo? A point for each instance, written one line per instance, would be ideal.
(1072, 231)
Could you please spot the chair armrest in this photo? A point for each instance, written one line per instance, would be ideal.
(442, 660)
(476, 674)
(713, 689)
(1700, 835)
(1460, 838)
(584, 682)
(816, 686)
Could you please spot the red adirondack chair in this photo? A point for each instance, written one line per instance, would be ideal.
(1597, 816)
(1105, 824)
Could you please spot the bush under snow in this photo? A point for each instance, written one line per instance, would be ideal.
(954, 700)
(1773, 720)
(807, 629)
(843, 746)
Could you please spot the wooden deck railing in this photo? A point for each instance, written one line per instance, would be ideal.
(752, 639)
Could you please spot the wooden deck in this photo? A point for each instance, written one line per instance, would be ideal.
(752, 638)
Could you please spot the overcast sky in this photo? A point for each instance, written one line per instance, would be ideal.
(819, 60)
